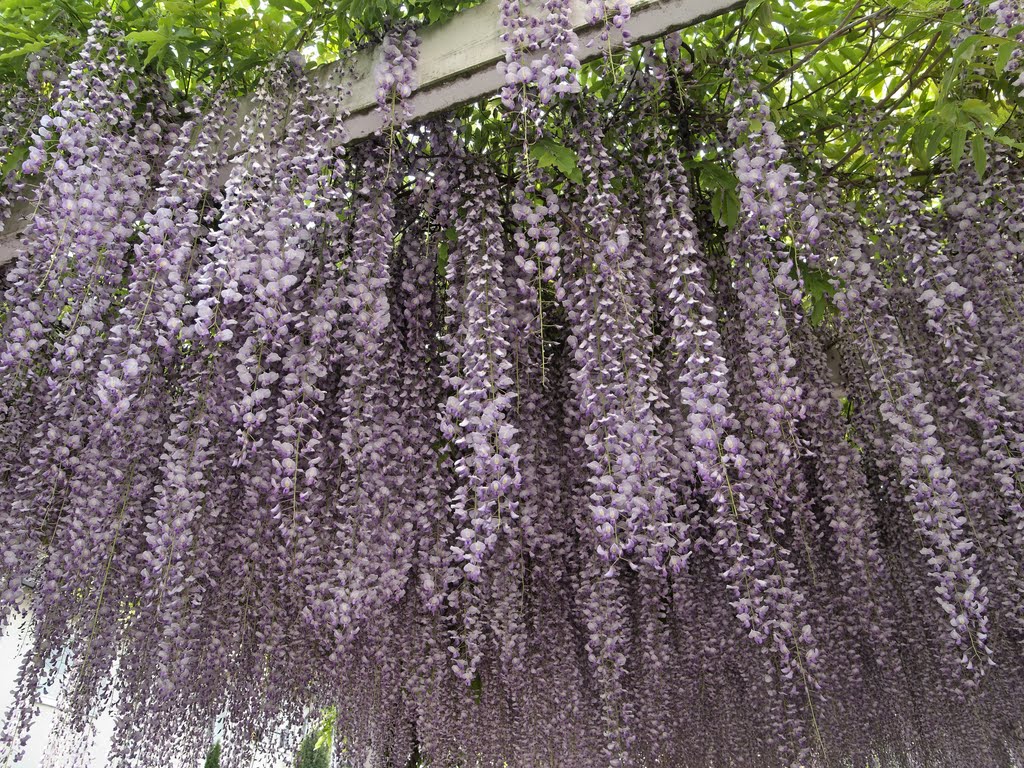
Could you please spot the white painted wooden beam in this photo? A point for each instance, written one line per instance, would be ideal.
(458, 64)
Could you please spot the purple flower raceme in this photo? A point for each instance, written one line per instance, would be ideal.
(283, 245)
(373, 566)
(757, 575)
(850, 514)
(24, 104)
(986, 254)
(929, 486)
(97, 170)
(179, 522)
(144, 337)
(476, 417)
(60, 301)
(99, 540)
(395, 76)
(967, 364)
(628, 502)
(418, 311)
(626, 492)
(119, 460)
(540, 57)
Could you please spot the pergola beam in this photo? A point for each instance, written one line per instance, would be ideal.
(457, 65)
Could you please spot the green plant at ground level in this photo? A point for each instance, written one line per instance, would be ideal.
(213, 756)
(313, 752)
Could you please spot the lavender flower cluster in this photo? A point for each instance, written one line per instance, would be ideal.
(395, 75)
(540, 63)
(510, 467)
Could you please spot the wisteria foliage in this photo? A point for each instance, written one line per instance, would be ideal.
(509, 468)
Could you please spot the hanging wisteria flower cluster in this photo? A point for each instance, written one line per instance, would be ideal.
(396, 74)
(513, 466)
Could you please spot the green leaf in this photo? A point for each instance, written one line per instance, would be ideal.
(1006, 141)
(9, 30)
(477, 687)
(946, 112)
(293, 6)
(1003, 56)
(978, 154)
(547, 153)
(919, 142)
(448, 238)
(980, 110)
(963, 55)
(713, 174)
(725, 207)
(13, 160)
(720, 184)
(24, 50)
(935, 140)
(818, 288)
(154, 51)
(146, 36)
(956, 146)
(760, 13)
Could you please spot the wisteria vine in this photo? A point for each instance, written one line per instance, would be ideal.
(513, 462)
